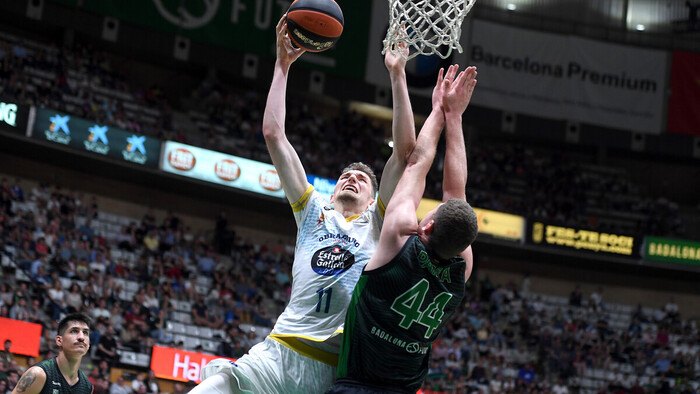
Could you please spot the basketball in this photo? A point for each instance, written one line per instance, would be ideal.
(314, 25)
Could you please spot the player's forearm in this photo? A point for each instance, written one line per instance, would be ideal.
(426, 145)
(455, 170)
(275, 108)
(403, 129)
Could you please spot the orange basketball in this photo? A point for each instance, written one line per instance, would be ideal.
(314, 25)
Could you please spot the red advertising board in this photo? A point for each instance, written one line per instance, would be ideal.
(683, 113)
(176, 364)
(25, 336)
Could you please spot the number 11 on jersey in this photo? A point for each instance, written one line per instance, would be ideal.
(321, 292)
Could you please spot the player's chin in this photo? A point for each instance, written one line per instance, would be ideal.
(347, 196)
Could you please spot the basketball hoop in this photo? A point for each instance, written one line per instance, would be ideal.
(431, 27)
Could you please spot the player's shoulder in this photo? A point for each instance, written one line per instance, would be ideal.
(310, 199)
(32, 381)
(37, 368)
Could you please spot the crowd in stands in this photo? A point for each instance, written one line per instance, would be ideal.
(55, 262)
(567, 190)
(509, 340)
(80, 80)
(325, 140)
(504, 339)
(524, 180)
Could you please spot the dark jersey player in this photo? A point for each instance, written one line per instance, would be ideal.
(62, 374)
(415, 280)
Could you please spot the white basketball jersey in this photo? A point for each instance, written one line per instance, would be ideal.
(329, 257)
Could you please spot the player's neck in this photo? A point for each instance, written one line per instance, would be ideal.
(347, 210)
(69, 367)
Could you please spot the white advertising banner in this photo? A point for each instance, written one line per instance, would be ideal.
(541, 74)
(210, 166)
(567, 77)
(216, 167)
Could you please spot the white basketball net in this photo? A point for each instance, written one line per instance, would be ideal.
(431, 26)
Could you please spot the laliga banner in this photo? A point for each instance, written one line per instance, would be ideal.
(233, 171)
(567, 77)
(176, 364)
(25, 336)
(583, 240)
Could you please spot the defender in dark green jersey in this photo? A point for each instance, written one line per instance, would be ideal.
(415, 280)
(61, 375)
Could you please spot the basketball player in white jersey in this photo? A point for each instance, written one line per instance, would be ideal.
(334, 242)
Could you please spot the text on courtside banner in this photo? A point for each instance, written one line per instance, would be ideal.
(177, 364)
(584, 240)
(672, 251)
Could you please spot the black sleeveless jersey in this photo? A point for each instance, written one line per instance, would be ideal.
(396, 313)
(57, 384)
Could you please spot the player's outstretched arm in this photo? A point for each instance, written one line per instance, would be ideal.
(403, 129)
(31, 382)
(284, 157)
(455, 101)
(400, 218)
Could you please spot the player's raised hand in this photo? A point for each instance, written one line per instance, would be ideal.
(438, 91)
(395, 57)
(286, 53)
(441, 84)
(458, 93)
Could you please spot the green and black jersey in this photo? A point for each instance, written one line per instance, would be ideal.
(57, 384)
(396, 313)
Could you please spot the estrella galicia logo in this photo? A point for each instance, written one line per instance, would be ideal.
(135, 150)
(58, 129)
(332, 260)
(97, 140)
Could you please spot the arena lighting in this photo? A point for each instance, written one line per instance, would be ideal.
(511, 7)
(640, 27)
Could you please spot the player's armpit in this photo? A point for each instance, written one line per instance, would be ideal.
(469, 259)
(399, 223)
(31, 381)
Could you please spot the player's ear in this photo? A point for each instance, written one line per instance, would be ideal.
(428, 228)
(332, 195)
(59, 340)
